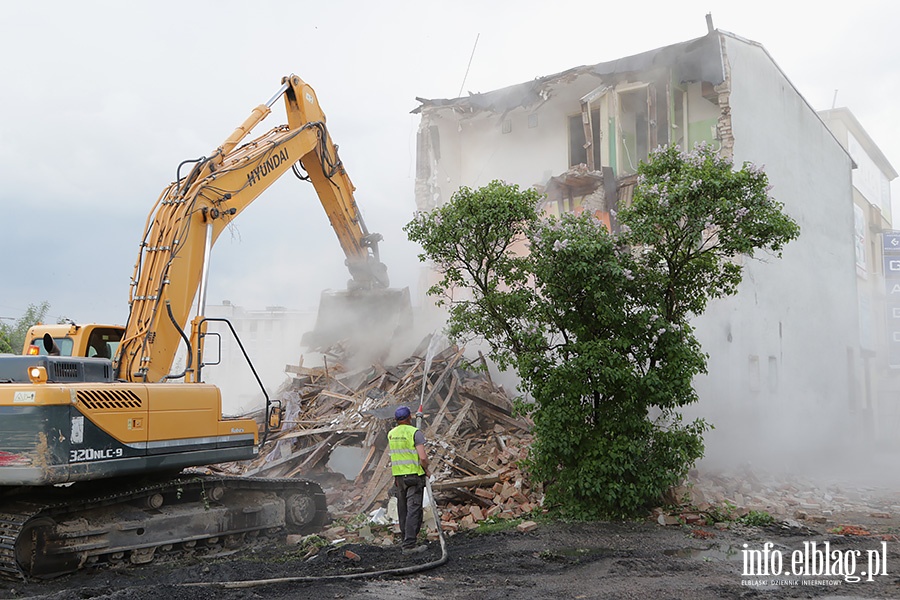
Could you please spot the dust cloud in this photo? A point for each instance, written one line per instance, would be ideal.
(797, 435)
(830, 439)
(345, 328)
(271, 345)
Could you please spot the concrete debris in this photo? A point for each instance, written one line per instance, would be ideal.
(664, 519)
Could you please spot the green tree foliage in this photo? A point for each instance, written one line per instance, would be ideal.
(12, 337)
(470, 242)
(597, 325)
(5, 341)
(694, 215)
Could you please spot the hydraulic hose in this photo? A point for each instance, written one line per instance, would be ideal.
(190, 353)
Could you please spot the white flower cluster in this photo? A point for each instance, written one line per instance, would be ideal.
(753, 169)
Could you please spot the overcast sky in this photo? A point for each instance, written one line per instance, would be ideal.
(102, 100)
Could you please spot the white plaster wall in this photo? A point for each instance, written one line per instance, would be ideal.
(474, 151)
(444, 172)
(801, 310)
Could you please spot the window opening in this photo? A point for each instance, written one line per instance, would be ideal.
(678, 114)
(634, 128)
(577, 139)
(753, 373)
(773, 374)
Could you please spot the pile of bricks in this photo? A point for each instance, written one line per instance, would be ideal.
(467, 502)
(474, 438)
(783, 497)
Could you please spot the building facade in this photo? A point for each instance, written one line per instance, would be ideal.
(787, 362)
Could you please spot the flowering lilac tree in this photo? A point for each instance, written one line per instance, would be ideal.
(694, 215)
(597, 325)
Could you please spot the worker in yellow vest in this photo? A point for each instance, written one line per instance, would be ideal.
(409, 465)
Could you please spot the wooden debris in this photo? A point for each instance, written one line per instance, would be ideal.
(474, 439)
(466, 482)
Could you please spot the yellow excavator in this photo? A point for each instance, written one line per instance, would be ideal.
(94, 437)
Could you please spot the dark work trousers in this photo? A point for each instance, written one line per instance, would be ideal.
(410, 494)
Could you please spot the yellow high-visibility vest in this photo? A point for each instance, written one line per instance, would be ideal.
(404, 458)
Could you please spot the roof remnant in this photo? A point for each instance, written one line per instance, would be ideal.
(699, 59)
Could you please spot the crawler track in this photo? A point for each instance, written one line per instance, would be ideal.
(45, 532)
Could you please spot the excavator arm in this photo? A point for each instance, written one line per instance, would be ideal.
(192, 212)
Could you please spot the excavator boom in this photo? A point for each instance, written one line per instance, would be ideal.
(193, 211)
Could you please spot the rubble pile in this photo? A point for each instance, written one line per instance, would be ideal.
(474, 440)
(783, 497)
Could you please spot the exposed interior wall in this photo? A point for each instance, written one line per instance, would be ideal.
(633, 116)
(703, 114)
(494, 144)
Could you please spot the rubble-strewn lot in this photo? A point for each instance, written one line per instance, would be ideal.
(596, 560)
(697, 546)
(789, 498)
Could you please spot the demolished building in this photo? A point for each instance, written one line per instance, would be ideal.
(784, 353)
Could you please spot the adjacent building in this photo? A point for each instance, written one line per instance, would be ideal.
(877, 276)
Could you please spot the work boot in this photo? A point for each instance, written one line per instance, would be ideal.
(415, 550)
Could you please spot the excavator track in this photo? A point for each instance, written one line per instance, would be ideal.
(47, 532)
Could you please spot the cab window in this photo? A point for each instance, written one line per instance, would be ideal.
(65, 345)
(103, 343)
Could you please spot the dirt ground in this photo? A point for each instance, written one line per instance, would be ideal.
(561, 560)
